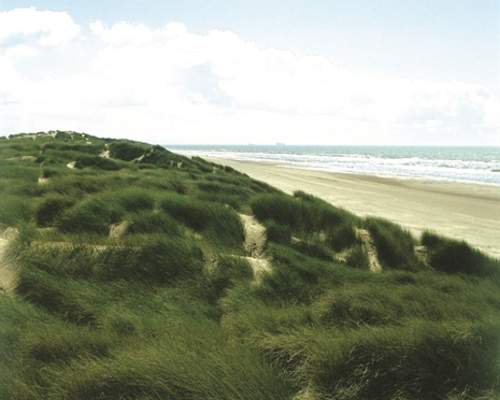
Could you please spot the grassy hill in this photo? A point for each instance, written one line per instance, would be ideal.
(143, 274)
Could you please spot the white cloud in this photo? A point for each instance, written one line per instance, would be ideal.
(51, 28)
(170, 85)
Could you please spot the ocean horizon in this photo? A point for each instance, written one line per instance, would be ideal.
(467, 164)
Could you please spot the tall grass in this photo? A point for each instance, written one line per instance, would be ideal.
(172, 309)
(127, 151)
(302, 213)
(395, 246)
(15, 210)
(159, 261)
(90, 215)
(227, 272)
(421, 360)
(51, 208)
(193, 363)
(453, 256)
(96, 162)
(147, 222)
(220, 223)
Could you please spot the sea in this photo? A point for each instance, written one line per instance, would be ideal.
(458, 164)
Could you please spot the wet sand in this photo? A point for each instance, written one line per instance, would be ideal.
(463, 211)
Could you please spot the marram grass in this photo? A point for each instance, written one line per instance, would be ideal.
(170, 305)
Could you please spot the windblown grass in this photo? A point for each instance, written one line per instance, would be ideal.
(395, 246)
(175, 307)
(220, 223)
(453, 256)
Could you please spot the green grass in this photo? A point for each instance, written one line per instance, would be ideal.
(148, 222)
(127, 151)
(227, 272)
(278, 233)
(96, 162)
(341, 237)
(15, 209)
(395, 246)
(423, 360)
(453, 256)
(159, 261)
(90, 215)
(304, 214)
(172, 309)
(51, 208)
(220, 223)
(194, 363)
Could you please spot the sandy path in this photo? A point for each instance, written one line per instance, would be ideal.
(255, 235)
(369, 249)
(463, 211)
(255, 240)
(7, 272)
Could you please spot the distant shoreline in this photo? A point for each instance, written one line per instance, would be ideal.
(468, 211)
(447, 164)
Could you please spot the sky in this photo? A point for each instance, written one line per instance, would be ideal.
(212, 71)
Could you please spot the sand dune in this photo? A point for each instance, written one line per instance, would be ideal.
(462, 211)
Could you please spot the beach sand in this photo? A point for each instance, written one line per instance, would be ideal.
(458, 210)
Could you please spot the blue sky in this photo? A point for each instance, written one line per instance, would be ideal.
(443, 39)
(449, 44)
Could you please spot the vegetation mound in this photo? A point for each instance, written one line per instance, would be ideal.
(137, 279)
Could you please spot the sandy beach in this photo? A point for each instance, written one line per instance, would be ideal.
(463, 211)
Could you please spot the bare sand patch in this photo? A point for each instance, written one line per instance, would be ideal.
(255, 241)
(370, 249)
(8, 276)
(105, 154)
